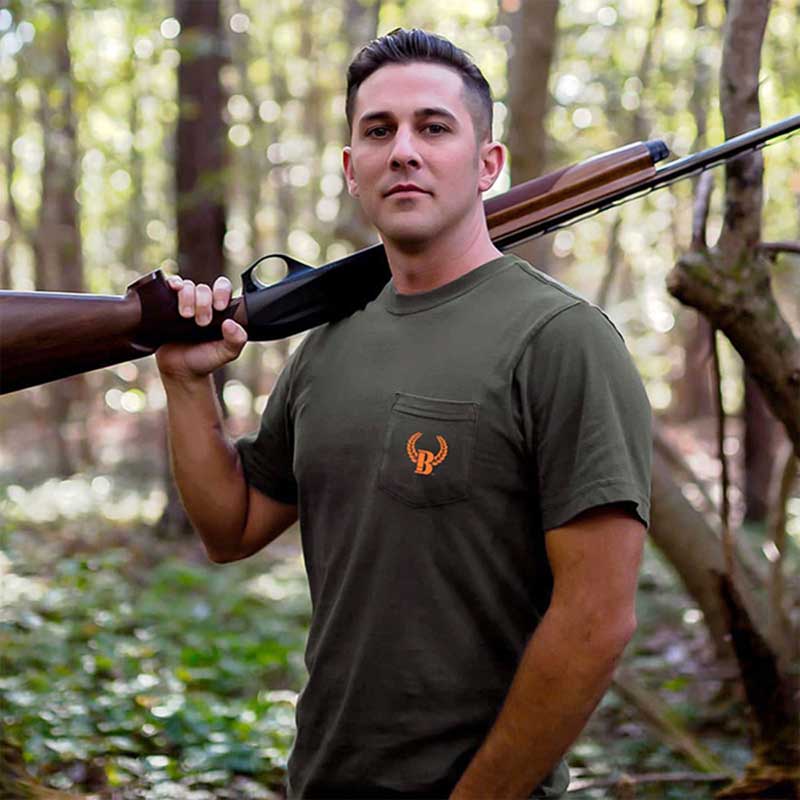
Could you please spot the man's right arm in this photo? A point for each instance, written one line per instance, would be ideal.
(233, 519)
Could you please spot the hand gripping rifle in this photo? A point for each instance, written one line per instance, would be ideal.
(49, 335)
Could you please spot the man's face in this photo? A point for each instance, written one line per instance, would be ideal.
(414, 161)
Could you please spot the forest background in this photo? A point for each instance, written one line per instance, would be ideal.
(198, 136)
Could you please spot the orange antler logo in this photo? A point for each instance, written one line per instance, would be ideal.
(425, 460)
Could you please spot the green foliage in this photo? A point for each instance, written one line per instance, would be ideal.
(173, 675)
(168, 675)
(171, 672)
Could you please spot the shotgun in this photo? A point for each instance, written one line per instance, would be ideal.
(45, 336)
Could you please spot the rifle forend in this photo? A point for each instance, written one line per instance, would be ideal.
(45, 336)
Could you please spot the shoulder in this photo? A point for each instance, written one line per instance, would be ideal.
(542, 300)
(581, 321)
(530, 280)
(577, 343)
(555, 317)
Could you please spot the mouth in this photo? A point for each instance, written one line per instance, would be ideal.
(405, 189)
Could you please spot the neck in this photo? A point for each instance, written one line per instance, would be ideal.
(423, 266)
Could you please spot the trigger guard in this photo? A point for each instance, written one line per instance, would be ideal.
(294, 267)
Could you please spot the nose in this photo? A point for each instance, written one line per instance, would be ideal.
(404, 150)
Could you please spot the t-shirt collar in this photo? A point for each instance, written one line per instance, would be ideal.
(397, 303)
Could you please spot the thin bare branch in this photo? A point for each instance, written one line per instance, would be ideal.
(725, 511)
(779, 624)
(771, 249)
(612, 263)
(702, 203)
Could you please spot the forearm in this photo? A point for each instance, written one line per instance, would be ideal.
(205, 464)
(564, 671)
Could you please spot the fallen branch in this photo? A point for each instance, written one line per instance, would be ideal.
(753, 569)
(17, 784)
(670, 732)
(677, 460)
(600, 781)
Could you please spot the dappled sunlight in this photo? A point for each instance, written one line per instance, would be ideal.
(17, 588)
(79, 496)
(130, 665)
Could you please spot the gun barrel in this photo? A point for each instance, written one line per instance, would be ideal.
(681, 168)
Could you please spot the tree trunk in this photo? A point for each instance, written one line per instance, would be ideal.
(694, 550)
(362, 27)
(133, 257)
(199, 177)
(312, 113)
(533, 44)
(762, 436)
(692, 390)
(692, 397)
(57, 243)
(729, 283)
(9, 210)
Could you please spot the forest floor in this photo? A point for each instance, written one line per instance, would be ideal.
(131, 667)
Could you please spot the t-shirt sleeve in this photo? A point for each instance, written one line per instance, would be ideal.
(268, 454)
(585, 416)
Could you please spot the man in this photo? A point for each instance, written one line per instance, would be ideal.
(469, 458)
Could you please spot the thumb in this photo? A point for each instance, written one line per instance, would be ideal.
(234, 338)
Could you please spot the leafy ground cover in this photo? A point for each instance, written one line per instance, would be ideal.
(132, 664)
(130, 667)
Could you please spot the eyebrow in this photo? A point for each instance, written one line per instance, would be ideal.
(420, 113)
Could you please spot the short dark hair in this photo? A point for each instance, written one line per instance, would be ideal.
(402, 46)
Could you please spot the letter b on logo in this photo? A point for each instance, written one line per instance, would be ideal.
(424, 462)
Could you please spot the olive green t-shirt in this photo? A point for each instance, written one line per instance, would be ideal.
(430, 441)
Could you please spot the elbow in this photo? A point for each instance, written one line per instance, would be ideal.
(627, 633)
(609, 635)
(218, 556)
(619, 632)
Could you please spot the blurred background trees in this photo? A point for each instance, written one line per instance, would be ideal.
(197, 136)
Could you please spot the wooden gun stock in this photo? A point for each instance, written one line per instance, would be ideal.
(45, 336)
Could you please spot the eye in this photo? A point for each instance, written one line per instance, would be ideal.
(378, 132)
(436, 128)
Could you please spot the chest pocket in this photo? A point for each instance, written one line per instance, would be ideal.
(427, 450)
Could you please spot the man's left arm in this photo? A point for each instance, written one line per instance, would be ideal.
(569, 661)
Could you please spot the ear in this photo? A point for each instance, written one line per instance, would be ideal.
(349, 172)
(492, 158)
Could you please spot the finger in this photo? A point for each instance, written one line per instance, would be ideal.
(222, 293)
(202, 299)
(174, 282)
(186, 299)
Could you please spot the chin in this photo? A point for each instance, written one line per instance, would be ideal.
(409, 231)
(408, 239)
